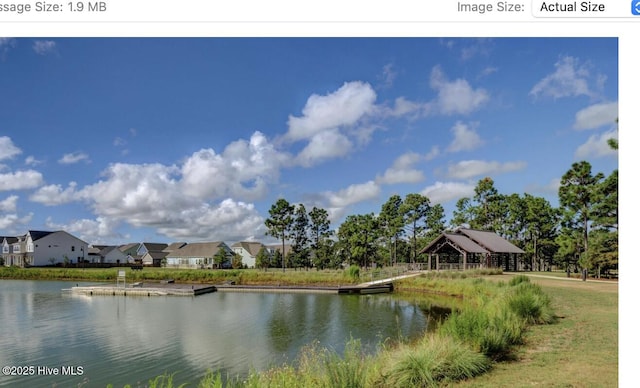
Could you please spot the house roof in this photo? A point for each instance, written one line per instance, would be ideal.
(278, 247)
(106, 249)
(158, 254)
(129, 249)
(155, 246)
(38, 234)
(491, 241)
(173, 246)
(10, 239)
(473, 241)
(203, 249)
(252, 247)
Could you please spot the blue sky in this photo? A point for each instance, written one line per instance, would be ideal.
(192, 139)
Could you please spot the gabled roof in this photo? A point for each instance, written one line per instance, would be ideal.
(158, 254)
(491, 241)
(173, 246)
(154, 246)
(473, 241)
(38, 234)
(252, 247)
(129, 249)
(203, 249)
(106, 249)
(10, 239)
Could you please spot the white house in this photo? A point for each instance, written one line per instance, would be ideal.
(249, 251)
(40, 248)
(9, 258)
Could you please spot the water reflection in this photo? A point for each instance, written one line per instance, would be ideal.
(124, 340)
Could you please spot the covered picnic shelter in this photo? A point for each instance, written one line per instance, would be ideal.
(469, 249)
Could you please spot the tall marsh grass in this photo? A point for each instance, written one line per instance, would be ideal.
(435, 361)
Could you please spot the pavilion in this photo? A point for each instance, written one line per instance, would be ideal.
(469, 249)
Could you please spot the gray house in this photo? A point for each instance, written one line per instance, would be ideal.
(199, 255)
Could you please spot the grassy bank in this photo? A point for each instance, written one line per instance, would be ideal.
(488, 329)
(244, 276)
(579, 350)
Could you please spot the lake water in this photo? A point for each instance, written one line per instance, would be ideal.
(128, 340)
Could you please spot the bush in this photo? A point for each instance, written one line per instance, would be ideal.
(519, 279)
(491, 331)
(353, 272)
(530, 303)
(435, 361)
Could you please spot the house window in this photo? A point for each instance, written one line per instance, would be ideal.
(73, 248)
(30, 248)
(16, 248)
(5, 249)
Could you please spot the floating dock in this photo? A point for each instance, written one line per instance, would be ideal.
(141, 289)
(173, 289)
(367, 289)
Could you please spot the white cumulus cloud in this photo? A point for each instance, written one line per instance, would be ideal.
(73, 158)
(471, 168)
(403, 171)
(456, 97)
(465, 138)
(344, 107)
(9, 204)
(323, 146)
(442, 192)
(52, 195)
(597, 146)
(596, 116)
(571, 78)
(7, 149)
(20, 180)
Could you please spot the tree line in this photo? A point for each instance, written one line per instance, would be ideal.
(581, 233)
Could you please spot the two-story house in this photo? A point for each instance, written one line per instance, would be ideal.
(40, 248)
(249, 250)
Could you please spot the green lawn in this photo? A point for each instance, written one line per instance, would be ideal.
(580, 350)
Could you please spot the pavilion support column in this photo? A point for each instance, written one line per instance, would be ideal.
(464, 260)
(429, 262)
(437, 262)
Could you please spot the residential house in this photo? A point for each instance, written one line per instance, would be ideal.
(151, 254)
(93, 253)
(199, 255)
(278, 247)
(248, 250)
(9, 258)
(109, 254)
(130, 250)
(40, 248)
(112, 254)
(159, 258)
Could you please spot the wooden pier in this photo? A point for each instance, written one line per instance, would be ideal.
(342, 290)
